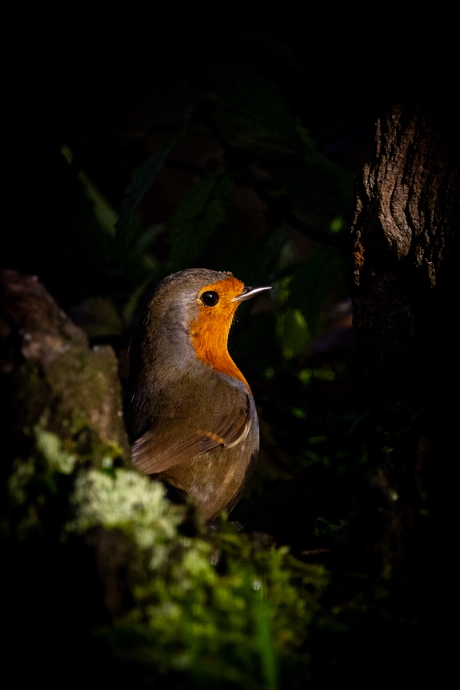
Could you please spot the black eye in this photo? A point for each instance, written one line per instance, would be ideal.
(210, 298)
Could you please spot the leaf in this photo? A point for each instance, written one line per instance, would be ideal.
(254, 101)
(328, 182)
(317, 187)
(198, 218)
(265, 643)
(294, 333)
(143, 178)
(257, 265)
(313, 281)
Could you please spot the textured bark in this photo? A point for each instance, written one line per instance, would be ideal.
(405, 299)
(405, 236)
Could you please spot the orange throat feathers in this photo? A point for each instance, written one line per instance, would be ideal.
(209, 332)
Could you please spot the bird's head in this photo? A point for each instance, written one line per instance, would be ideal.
(197, 306)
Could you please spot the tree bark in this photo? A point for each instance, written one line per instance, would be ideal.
(405, 233)
(405, 300)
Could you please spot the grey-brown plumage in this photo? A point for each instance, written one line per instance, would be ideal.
(190, 414)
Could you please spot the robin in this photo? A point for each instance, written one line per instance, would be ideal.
(191, 415)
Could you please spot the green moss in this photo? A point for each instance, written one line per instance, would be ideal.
(78, 393)
(49, 445)
(216, 608)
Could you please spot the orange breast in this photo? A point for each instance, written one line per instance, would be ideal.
(210, 330)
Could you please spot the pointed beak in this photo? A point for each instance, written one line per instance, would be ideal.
(249, 292)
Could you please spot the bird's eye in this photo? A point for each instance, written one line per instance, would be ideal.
(210, 299)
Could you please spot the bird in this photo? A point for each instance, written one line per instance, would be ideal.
(191, 416)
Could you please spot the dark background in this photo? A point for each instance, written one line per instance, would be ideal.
(273, 127)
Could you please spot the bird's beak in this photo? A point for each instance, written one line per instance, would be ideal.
(249, 292)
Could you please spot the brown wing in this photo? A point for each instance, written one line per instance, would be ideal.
(153, 457)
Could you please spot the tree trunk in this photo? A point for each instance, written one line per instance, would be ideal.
(405, 281)
(405, 298)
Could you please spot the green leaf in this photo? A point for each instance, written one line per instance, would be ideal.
(307, 176)
(198, 218)
(294, 333)
(257, 265)
(313, 281)
(265, 643)
(253, 100)
(143, 178)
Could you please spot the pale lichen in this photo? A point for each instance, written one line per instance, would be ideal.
(124, 500)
